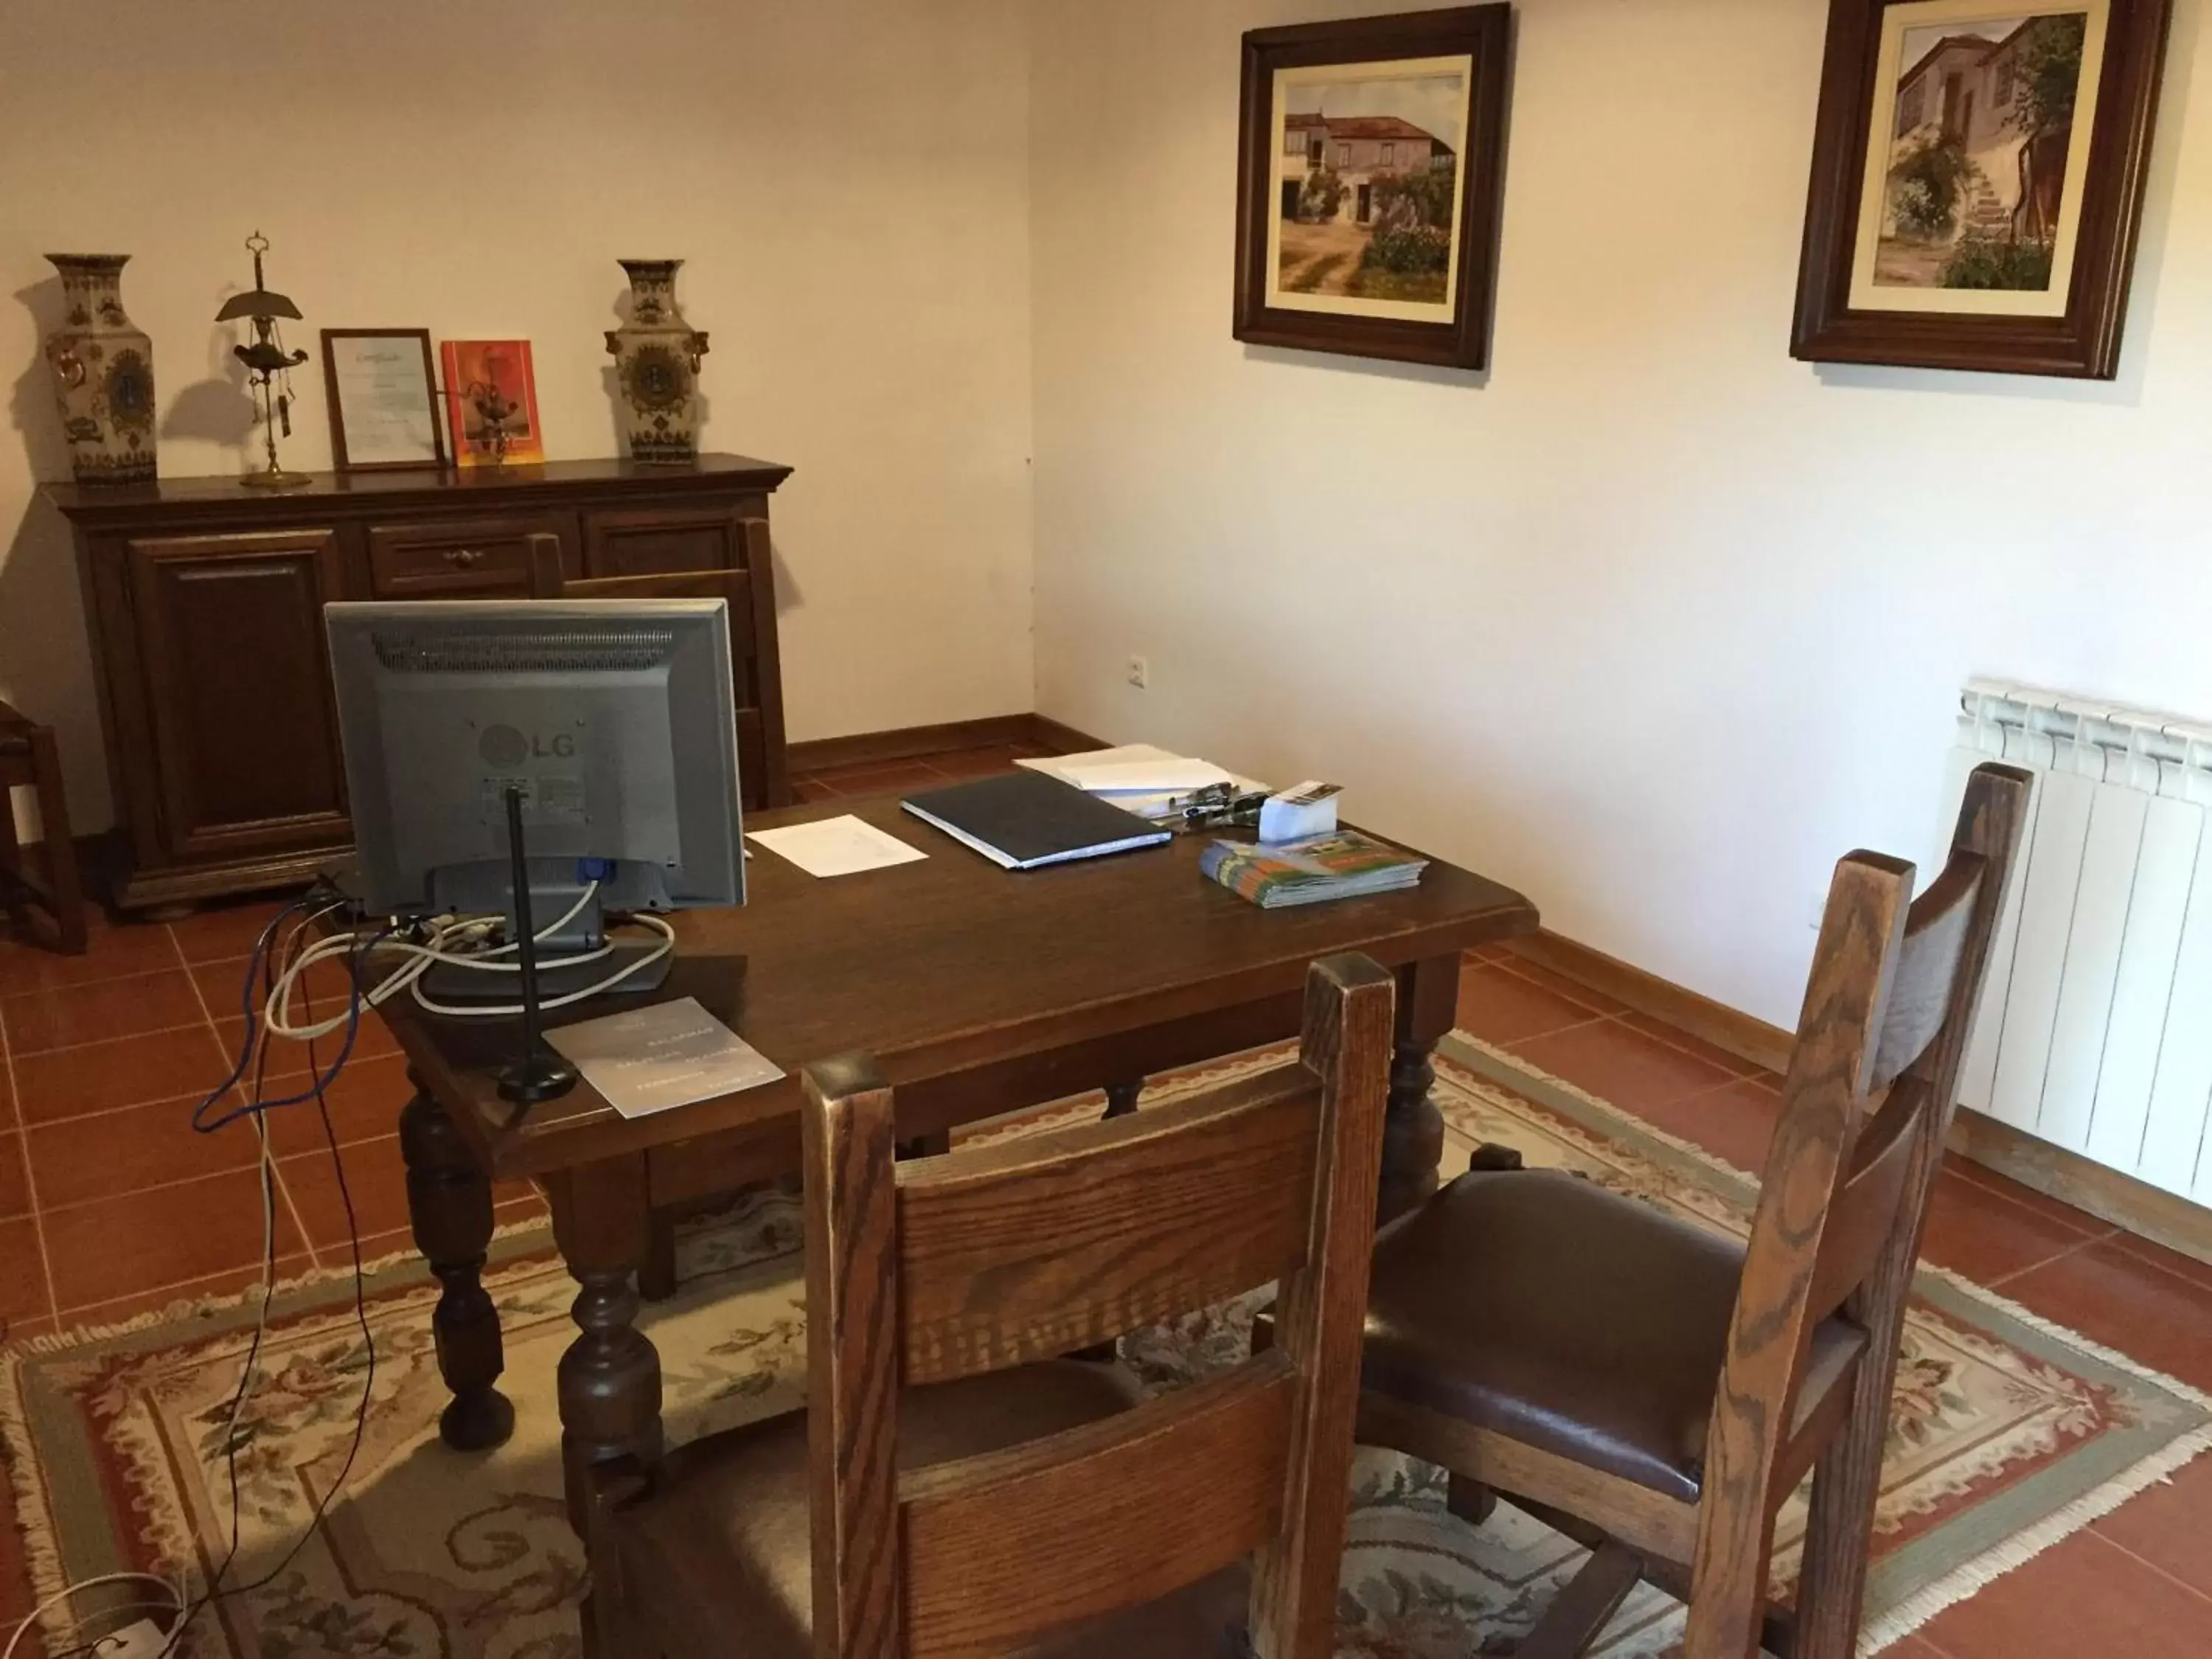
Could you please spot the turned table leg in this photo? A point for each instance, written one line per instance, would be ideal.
(449, 1203)
(1414, 1130)
(1121, 1097)
(609, 1377)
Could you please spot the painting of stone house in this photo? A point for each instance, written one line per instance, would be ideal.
(1982, 130)
(1366, 178)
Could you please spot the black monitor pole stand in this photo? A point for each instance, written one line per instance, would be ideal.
(537, 1073)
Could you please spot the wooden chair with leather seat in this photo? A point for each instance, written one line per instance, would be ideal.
(955, 1488)
(1658, 1390)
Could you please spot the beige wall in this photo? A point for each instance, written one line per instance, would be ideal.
(847, 179)
(1652, 621)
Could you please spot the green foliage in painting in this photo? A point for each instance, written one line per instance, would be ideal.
(1322, 195)
(1987, 261)
(1930, 180)
(2046, 75)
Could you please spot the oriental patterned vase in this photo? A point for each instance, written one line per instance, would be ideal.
(657, 356)
(103, 372)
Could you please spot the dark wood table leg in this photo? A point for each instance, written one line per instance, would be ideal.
(609, 1377)
(656, 1279)
(449, 1203)
(1413, 1132)
(1121, 1097)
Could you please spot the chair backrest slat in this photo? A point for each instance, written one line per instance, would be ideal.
(1192, 1480)
(1935, 934)
(1845, 1195)
(1864, 1211)
(1041, 1246)
(937, 1268)
(733, 587)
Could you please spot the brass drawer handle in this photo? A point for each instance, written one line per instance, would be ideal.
(464, 557)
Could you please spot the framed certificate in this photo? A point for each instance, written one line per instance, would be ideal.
(384, 404)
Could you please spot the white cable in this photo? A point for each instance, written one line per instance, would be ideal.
(277, 1014)
(508, 1010)
(176, 1602)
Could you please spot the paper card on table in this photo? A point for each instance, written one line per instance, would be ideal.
(647, 1059)
(1111, 777)
(836, 847)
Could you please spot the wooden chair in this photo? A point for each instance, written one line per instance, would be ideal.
(761, 765)
(952, 1488)
(1658, 1391)
(29, 759)
(763, 770)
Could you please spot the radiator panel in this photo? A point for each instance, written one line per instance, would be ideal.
(2095, 1028)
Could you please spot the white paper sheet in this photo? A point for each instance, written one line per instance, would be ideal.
(1154, 804)
(836, 847)
(648, 1059)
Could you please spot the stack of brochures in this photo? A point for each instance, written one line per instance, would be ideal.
(1140, 778)
(1344, 865)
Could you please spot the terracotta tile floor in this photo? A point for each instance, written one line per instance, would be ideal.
(110, 1204)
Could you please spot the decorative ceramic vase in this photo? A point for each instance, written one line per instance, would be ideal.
(103, 370)
(657, 356)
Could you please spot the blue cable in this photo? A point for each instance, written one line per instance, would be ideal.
(253, 964)
(362, 946)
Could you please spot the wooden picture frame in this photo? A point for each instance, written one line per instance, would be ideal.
(379, 434)
(1341, 200)
(493, 376)
(1993, 240)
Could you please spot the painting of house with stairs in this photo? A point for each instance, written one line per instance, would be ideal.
(1981, 135)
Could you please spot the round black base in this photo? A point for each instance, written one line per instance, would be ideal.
(476, 1421)
(541, 1077)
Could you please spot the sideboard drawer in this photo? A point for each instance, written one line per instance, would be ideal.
(460, 559)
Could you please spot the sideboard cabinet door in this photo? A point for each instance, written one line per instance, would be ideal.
(238, 689)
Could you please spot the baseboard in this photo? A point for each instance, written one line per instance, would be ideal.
(2142, 1209)
(910, 742)
(2052, 1170)
(1049, 733)
(1724, 1027)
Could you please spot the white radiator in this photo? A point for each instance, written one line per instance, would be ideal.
(2095, 1030)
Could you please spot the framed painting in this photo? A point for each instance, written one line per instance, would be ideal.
(491, 402)
(1369, 176)
(1978, 178)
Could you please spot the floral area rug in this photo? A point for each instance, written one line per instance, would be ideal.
(2008, 1435)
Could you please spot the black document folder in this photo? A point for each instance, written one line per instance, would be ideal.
(1025, 819)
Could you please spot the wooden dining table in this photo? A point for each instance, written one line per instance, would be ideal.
(975, 989)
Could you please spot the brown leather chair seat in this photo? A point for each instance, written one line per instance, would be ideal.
(1578, 1322)
(723, 1544)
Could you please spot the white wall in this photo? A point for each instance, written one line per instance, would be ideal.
(1652, 621)
(847, 179)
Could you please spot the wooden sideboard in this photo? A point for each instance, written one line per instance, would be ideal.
(205, 603)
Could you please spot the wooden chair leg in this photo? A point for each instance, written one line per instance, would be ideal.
(1469, 1499)
(1582, 1609)
(656, 1276)
(14, 885)
(63, 890)
(1839, 1526)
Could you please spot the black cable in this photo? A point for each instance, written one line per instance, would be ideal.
(215, 1592)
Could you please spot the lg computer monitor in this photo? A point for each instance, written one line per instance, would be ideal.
(613, 721)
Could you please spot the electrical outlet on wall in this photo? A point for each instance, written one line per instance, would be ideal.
(1139, 673)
